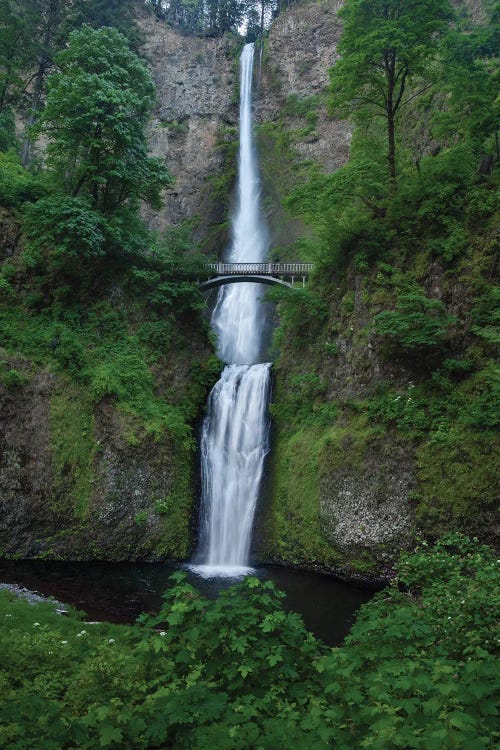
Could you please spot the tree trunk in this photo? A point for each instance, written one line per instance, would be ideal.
(43, 65)
(391, 156)
(390, 66)
(35, 107)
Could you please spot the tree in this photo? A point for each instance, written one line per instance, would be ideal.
(120, 14)
(16, 47)
(46, 39)
(471, 73)
(386, 46)
(98, 104)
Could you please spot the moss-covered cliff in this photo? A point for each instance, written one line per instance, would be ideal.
(385, 381)
(99, 406)
(105, 355)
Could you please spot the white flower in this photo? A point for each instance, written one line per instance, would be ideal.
(162, 632)
(83, 632)
(111, 640)
(64, 642)
(8, 615)
(36, 624)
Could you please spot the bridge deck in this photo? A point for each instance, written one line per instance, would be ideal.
(261, 269)
(210, 275)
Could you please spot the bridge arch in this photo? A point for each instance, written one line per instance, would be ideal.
(239, 278)
(271, 272)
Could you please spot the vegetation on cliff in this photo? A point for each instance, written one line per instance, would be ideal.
(218, 17)
(88, 292)
(390, 351)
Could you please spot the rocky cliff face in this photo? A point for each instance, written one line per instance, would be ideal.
(81, 482)
(196, 82)
(301, 48)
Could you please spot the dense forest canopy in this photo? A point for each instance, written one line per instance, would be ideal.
(215, 17)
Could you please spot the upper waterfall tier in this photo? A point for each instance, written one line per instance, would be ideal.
(238, 319)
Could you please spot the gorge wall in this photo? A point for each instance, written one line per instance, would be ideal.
(82, 480)
(349, 490)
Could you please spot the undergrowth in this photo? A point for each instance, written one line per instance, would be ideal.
(172, 681)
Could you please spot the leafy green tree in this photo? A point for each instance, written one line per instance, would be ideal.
(98, 104)
(417, 322)
(17, 45)
(119, 14)
(471, 79)
(387, 46)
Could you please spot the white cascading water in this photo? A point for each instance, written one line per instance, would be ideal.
(235, 436)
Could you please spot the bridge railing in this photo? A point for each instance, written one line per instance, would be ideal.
(264, 269)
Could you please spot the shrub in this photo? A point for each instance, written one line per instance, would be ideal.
(141, 518)
(60, 228)
(17, 185)
(416, 671)
(417, 322)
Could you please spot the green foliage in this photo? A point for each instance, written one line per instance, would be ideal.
(306, 107)
(16, 184)
(73, 446)
(404, 412)
(486, 316)
(10, 377)
(471, 82)
(304, 402)
(428, 682)
(110, 361)
(177, 508)
(162, 507)
(141, 518)
(304, 312)
(417, 322)
(457, 480)
(292, 517)
(384, 47)
(118, 14)
(7, 129)
(238, 671)
(97, 107)
(216, 17)
(66, 228)
(17, 47)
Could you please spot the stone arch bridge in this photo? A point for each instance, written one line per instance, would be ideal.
(283, 274)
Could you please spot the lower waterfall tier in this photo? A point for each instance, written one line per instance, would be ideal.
(234, 444)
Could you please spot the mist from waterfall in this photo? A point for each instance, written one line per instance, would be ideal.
(235, 435)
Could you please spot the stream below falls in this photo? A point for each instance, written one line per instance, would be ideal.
(119, 592)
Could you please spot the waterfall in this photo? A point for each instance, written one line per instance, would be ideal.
(235, 435)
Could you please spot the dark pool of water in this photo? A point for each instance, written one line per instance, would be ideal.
(119, 592)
